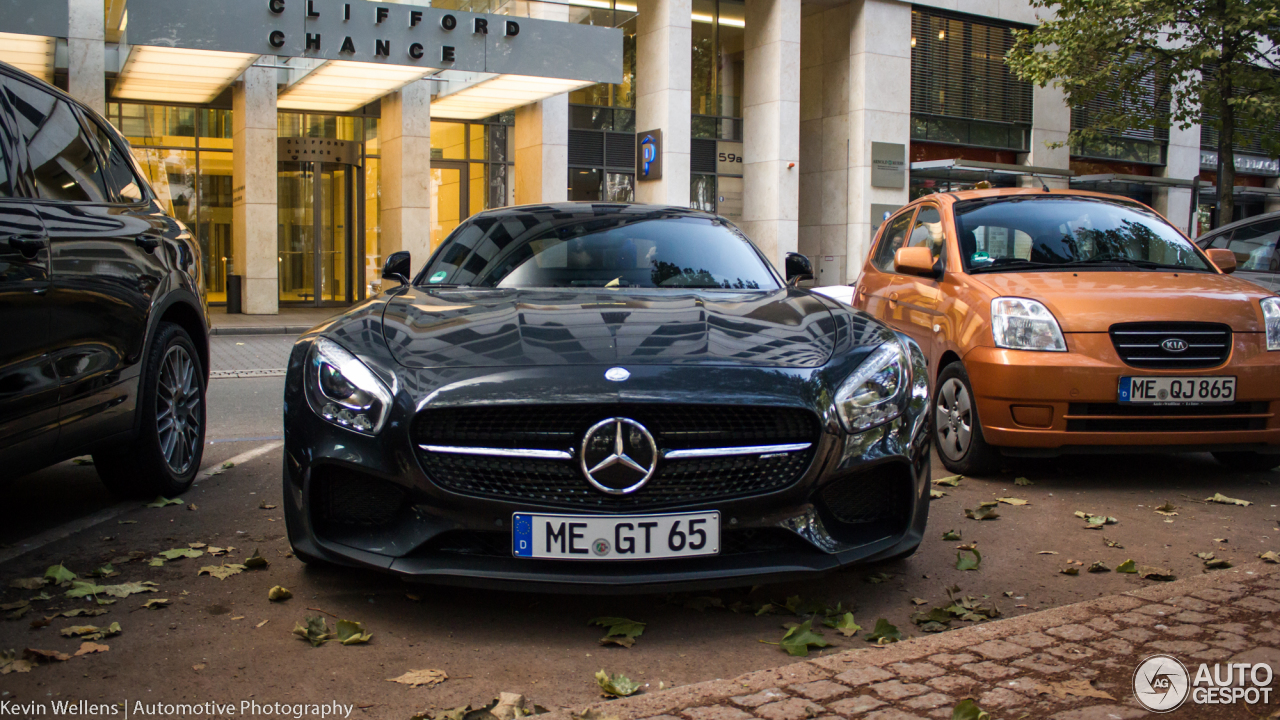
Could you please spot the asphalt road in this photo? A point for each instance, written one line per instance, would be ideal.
(211, 642)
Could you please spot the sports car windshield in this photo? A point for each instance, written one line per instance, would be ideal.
(1023, 234)
(613, 251)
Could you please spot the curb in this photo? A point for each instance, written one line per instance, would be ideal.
(673, 701)
(263, 330)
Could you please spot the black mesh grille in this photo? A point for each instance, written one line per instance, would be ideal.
(620, 150)
(1140, 344)
(561, 427)
(732, 542)
(876, 495)
(586, 148)
(702, 156)
(1118, 417)
(342, 497)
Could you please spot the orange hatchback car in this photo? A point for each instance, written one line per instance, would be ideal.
(1072, 322)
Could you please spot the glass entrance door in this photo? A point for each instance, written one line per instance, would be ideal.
(449, 192)
(316, 233)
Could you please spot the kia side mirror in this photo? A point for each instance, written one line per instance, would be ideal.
(914, 261)
(798, 268)
(1223, 258)
(397, 267)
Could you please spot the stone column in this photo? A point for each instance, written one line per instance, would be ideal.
(771, 127)
(254, 215)
(1182, 161)
(86, 64)
(405, 140)
(879, 111)
(664, 34)
(1050, 123)
(824, 141)
(542, 151)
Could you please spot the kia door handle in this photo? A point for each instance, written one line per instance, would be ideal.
(28, 245)
(147, 241)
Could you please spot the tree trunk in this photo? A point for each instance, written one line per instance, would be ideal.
(1226, 155)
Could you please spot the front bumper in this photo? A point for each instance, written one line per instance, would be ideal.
(1046, 403)
(449, 538)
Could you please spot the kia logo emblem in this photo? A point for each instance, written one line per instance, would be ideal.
(1174, 345)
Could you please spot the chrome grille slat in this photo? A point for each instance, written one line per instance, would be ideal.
(1140, 344)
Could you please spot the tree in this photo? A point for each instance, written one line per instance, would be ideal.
(1214, 55)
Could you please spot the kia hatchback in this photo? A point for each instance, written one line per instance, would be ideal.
(1071, 322)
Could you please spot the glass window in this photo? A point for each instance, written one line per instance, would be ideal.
(620, 187)
(8, 147)
(172, 175)
(1067, 233)
(926, 231)
(448, 141)
(373, 227)
(702, 192)
(1255, 246)
(63, 159)
(157, 125)
(892, 239)
(613, 251)
(215, 211)
(119, 173)
(215, 129)
(585, 185)
(476, 187)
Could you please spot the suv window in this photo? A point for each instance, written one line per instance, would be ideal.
(119, 172)
(894, 235)
(63, 162)
(1253, 245)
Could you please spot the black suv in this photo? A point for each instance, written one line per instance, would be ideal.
(105, 331)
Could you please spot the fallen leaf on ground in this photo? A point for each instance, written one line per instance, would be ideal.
(162, 501)
(14, 605)
(1070, 571)
(265, 506)
(1217, 564)
(1224, 500)
(126, 589)
(156, 562)
(951, 535)
(1099, 567)
(198, 667)
(350, 632)
(1269, 556)
(104, 571)
(222, 572)
(44, 656)
(880, 577)
(58, 574)
(255, 561)
(279, 594)
(82, 613)
(1047, 552)
(9, 663)
(82, 461)
(949, 481)
(126, 522)
(80, 588)
(27, 583)
(984, 512)
(1112, 543)
(1069, 688)
(88, 648)
(264, 622)
(1022, 482)
(617, 685)
(1012, 501)
(919, 601)
(884, 633)
(91, 632)
(1219, 540)
(968, 563)
(843, 624)
(1167, 509)
(1128, 566)
(1152, 572)
(799, 638)
(619, 631)
(421, 678)
(1095, 522)
(176, 553)
(153, 604)
(936, 494)
(315, 631)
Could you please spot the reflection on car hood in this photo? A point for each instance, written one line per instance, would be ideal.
(1093, 301)
(518, 328)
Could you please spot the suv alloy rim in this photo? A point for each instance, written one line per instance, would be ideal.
(954, 419)
(177, 404)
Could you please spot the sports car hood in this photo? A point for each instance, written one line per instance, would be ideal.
(1093, 301)
(472, 327)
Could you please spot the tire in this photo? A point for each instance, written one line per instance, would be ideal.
(165, 457)
(957, 430)
(1248, 461)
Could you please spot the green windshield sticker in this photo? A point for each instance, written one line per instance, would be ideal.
(439, 276)
(981, 257)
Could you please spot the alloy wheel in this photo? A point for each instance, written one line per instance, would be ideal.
(178, 416)
(954, 419)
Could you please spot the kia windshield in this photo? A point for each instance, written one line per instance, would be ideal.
(1066, 233)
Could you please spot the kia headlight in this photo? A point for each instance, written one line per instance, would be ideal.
(1271, 316)
(344, 391)
(876, 392)
(1021, 324)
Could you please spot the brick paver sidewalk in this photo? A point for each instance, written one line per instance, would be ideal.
(1227, 616)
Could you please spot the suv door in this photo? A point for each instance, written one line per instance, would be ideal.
(1257, 250)
(28, 384)
(104, 270)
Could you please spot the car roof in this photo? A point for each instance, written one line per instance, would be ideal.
(1240, 223)
(570, 210)
(962, 195)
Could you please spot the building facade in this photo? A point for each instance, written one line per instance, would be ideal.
(803, 121)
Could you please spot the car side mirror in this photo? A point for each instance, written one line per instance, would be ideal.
(397, 267)
(1223, 258)
(914, 261)
(798, 268)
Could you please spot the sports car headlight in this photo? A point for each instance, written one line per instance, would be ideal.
(1021, 324)
(874, 393)
(343, 390)
(1271, 315)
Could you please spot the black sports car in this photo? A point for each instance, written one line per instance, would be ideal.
(604, 396)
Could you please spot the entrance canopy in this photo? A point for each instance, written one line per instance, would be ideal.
(971, 171)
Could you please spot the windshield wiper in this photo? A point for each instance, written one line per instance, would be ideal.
(1020, 265)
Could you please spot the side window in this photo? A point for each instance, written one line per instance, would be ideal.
(1255, 246)
(63, 163)
(9, 186)
(927, 231)
(119, 173)
(892, 238)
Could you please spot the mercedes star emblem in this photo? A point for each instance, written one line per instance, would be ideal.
(616, 374)
(618, 456)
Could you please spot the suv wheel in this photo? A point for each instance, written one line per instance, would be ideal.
(957, 432)
(1248, 461)
(165, 457)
